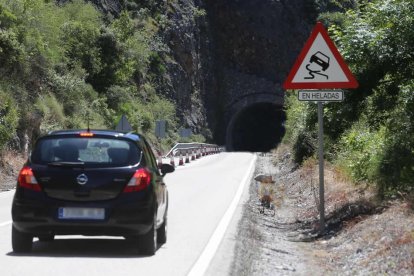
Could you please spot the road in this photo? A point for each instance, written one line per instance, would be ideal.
(203, 198)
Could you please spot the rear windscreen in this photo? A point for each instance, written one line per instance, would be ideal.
(94, 152)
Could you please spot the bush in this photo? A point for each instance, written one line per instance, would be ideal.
(80, 102)
(80, 47)
(52, 113)
(361, 152)
(295, 117)
(11, 51)
(397, 167)
(303, 147)
(300, 128)
(118, 95)
(143, 114)
(75, 66)
(194, 138)
(371, 133)
(8, 118)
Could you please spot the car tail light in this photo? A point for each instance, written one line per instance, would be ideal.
(27, 180)
(139, 181)
(86, 134)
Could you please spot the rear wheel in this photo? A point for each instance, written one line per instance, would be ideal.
(147, 243)
(21, 242)
(162, 233)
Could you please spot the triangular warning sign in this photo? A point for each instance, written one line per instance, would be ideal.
(320, 65)
(123, 125)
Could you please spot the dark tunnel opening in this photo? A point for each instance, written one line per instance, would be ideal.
(257, 128)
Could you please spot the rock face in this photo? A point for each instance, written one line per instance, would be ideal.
(257, 42)
(191, 70)
(227, 55)
(230, 54)
(261, 37)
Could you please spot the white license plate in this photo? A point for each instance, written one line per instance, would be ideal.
(81, 213)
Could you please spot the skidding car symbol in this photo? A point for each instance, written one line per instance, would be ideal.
(322, 62)
(321, 59)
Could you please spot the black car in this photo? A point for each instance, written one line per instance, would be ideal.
(91, 182)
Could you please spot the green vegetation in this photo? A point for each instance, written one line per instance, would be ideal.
(199, 12)
(8, 118)
(369, 135)
(63, 64)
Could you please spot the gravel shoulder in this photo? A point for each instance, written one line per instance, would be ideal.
(262, 246)
(364, 236)
(10, 165)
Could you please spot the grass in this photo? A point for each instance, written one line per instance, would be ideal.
(364, 234)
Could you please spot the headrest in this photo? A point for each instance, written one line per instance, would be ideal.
(118, 155)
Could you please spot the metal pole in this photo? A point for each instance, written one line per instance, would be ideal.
(321, 170)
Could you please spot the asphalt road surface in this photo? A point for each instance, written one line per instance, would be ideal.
(203, 198)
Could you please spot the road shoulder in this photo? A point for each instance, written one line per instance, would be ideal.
(262, 245)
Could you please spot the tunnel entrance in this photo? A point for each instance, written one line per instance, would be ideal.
(257, 128)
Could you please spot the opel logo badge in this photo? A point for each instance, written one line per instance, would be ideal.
(82, 179)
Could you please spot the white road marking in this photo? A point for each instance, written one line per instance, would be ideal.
(202, 263)
(7, 194)
(5, 223)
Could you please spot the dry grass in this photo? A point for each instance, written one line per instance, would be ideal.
(279, 196)
(406, 238)
(366, 236)
(10, 162)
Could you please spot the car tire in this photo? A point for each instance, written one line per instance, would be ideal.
(147, 243)
(162, 232)
(21, 242)
(46, 238)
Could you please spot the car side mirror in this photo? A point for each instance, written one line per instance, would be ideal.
(166, 168)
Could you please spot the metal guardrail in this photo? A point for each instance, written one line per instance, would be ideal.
(187, 148)
(187, 152)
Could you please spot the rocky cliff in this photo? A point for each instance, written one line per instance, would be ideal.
(256, 43)
(226, 49)
(220, 50)
(191, 69)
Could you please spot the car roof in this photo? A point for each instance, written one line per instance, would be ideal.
(99, 132)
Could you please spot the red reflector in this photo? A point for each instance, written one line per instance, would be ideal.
(86, 134)
(27, 180)
(139, 181)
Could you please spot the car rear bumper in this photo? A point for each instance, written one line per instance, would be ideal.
(121, 218)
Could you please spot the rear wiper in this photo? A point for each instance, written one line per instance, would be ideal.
(79, 164)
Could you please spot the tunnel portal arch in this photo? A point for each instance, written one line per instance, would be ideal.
(257, 125)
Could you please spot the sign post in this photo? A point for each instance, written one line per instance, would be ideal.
(321, 169)
(318, 67)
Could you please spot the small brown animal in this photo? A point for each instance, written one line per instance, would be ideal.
(265, 203)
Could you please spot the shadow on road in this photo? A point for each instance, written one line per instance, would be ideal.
(87, 248)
